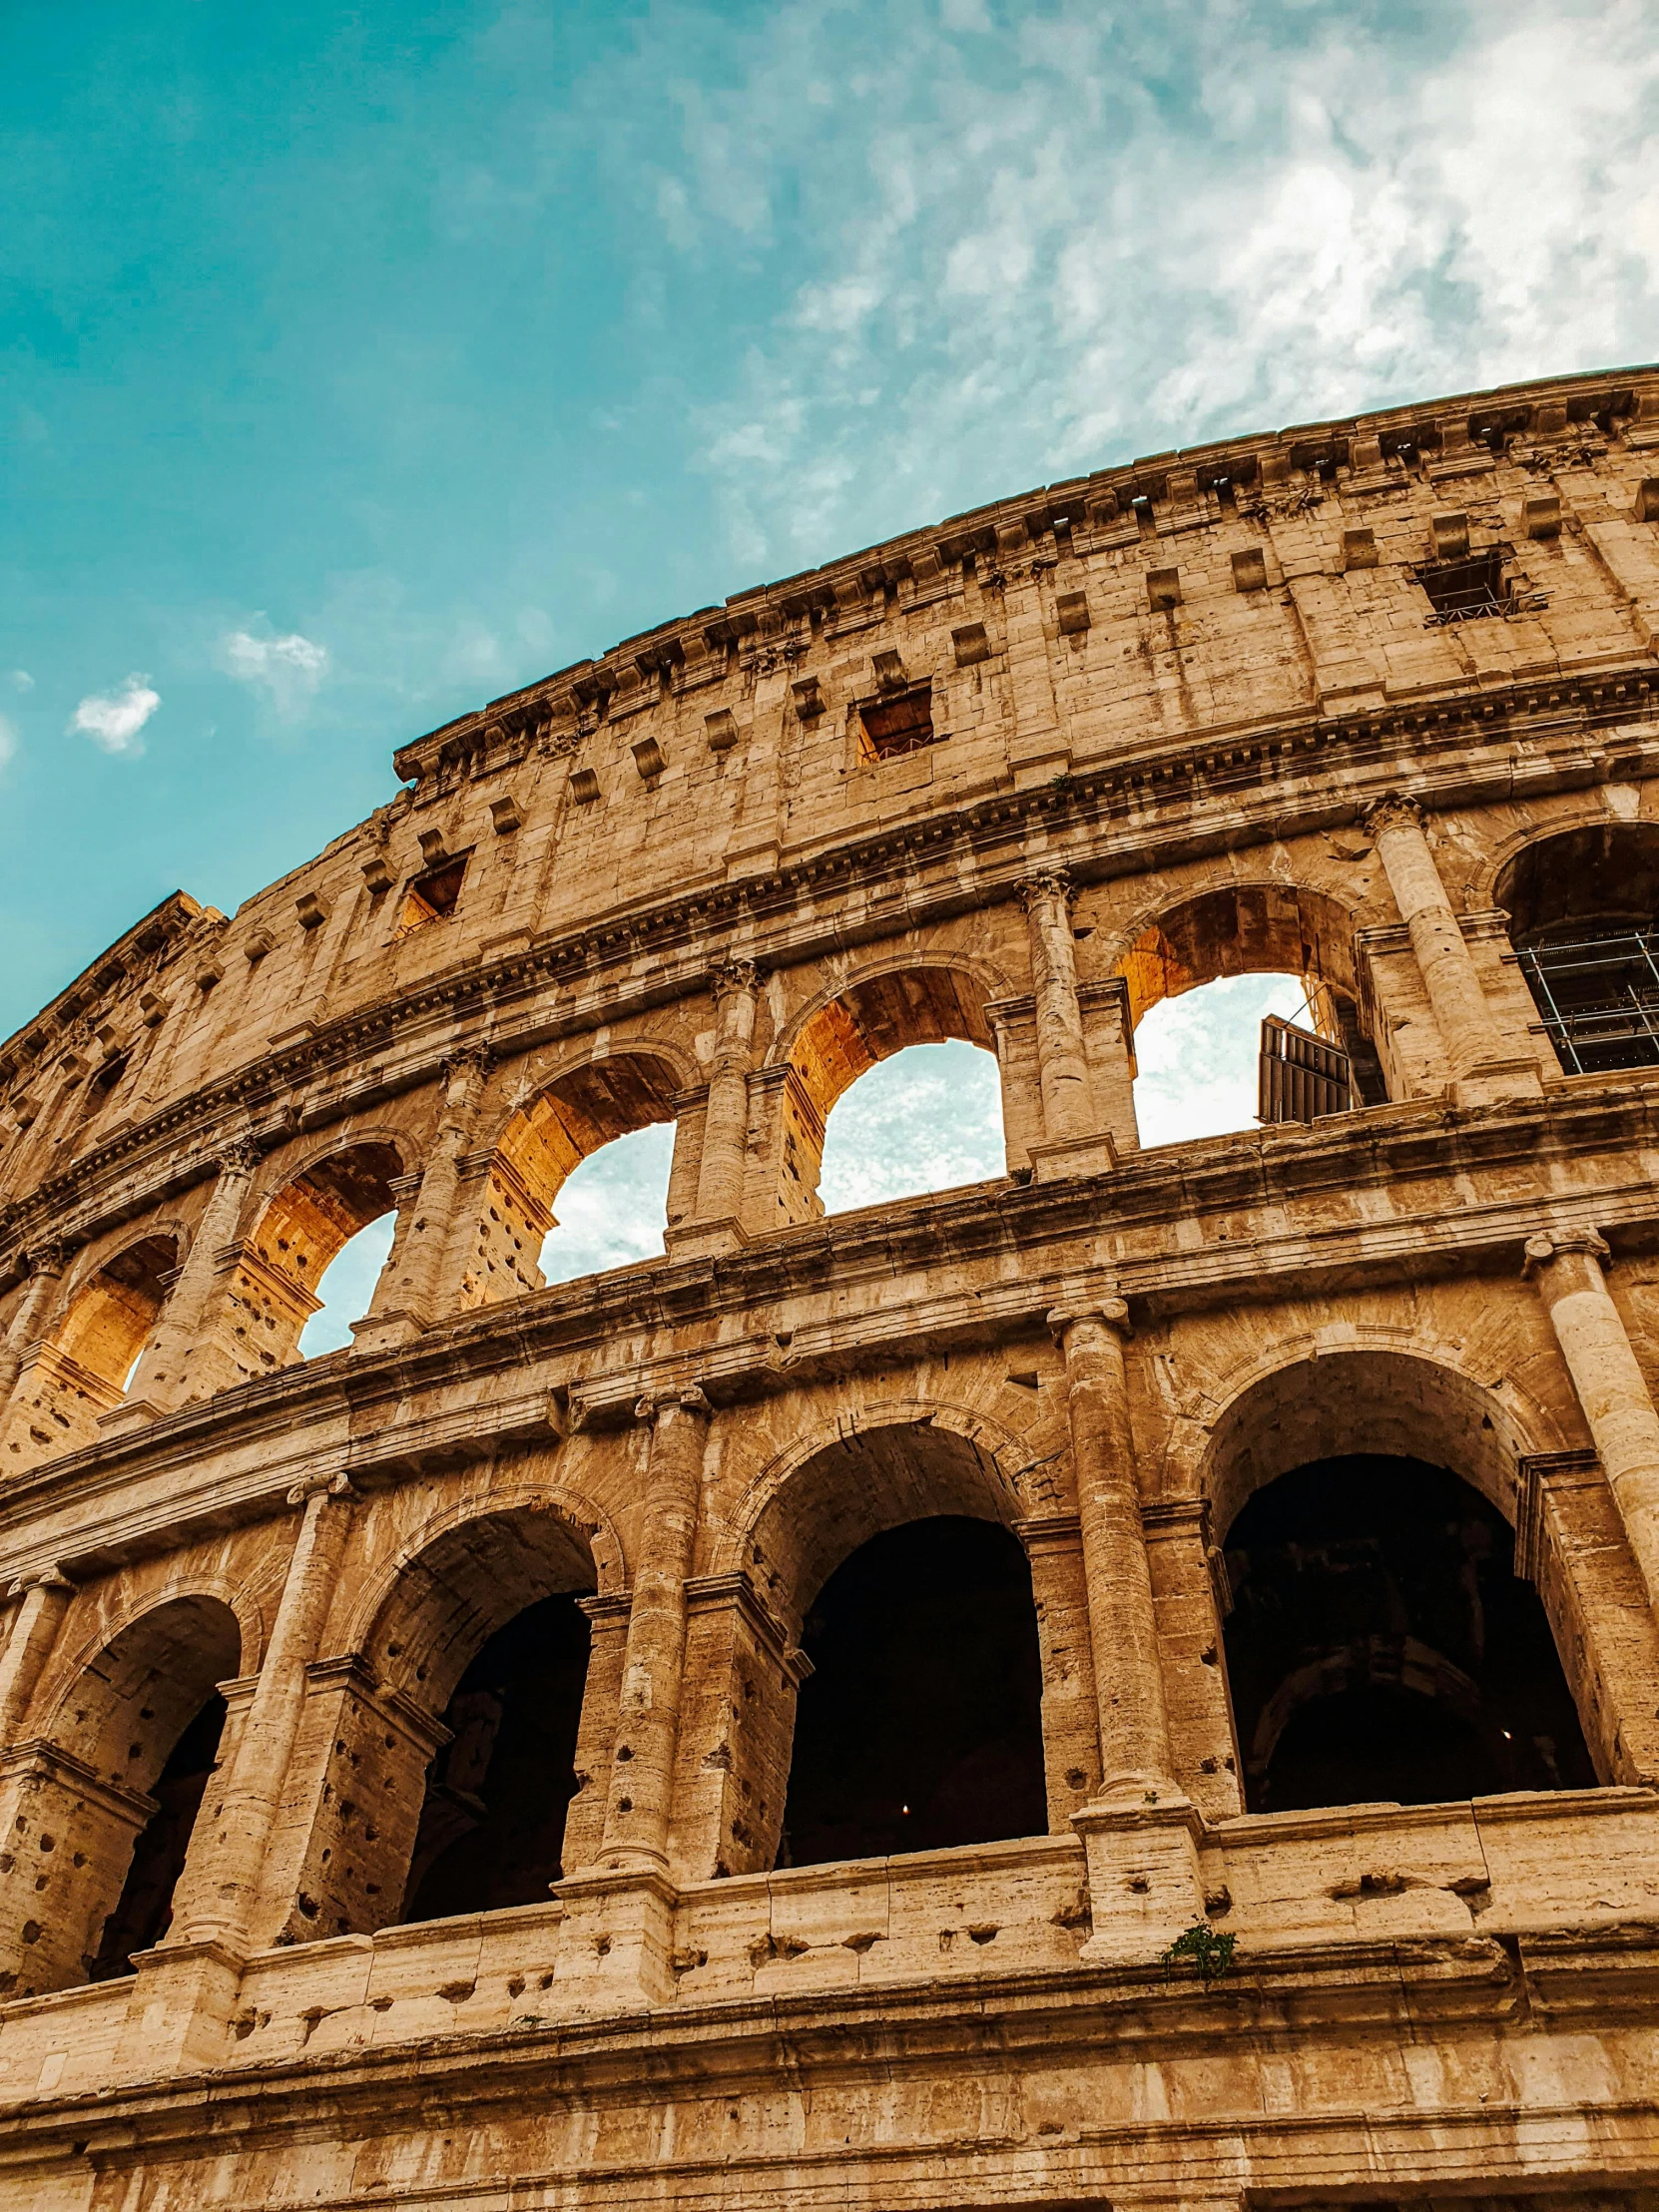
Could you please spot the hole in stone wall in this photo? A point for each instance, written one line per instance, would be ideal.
(894, 727)
(144, 1912)
(492, 1824)
(1466, 589)
(1380, 1646)
(920, 1726)
(432, 897)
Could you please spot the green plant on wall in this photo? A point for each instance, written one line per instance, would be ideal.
(1211, 1955)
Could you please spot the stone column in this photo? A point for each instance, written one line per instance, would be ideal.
(1073, 1143)
(1141, 1833)
(1566, 1267)
(1123, 1629)
(161, 1381)
(412, 1292)
(1070, 1708)
(42, 1601)
(219, 1887)
(47, 1262)
(1472, 1042)
(642, 1770)
(720, 1179)
(1188, 1604)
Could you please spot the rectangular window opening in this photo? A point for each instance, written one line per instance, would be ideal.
(1465, 589)
(432, 897)
(894, 727)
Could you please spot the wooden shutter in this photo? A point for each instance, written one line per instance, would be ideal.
(1299, 1075)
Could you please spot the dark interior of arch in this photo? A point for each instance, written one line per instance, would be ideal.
(144, 1911)
(493, 1821)
(1582, 910)
(1382, 1647)
(920, 1725)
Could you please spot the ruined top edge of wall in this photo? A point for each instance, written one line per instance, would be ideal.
(1511, 407)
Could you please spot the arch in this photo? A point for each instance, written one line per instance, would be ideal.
(79, 1372)
(1597, 872)
(1318, 1402)
(201, 1592)
(850, 1479)
(411, 1729)
(299, 1228)
(83, 1807)
(843, 1033)
(466, 1571)
(1380, 1646)
(1262, 925)
(588, 1103)
(1583, 903)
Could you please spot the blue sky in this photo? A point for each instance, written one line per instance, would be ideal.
(360, 364)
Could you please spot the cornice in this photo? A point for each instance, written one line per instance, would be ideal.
(1097, 828)
(365, 1414)
(675, 656)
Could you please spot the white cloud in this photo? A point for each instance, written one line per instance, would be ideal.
(927, 1119)
(288, 668)
(8, 741)
(1011, 249)
(1196, 1056)
(22, 681)
(113, 720)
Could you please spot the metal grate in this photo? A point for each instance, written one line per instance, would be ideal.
(1599, 999)
(1299, 1075)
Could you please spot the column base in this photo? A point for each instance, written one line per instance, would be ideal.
(1145, 1887)
(386, 1332)
(700, 1240)
(133, 1413)
(616, 1944)
(1496, 1082)
(178, 2015)
(1062, 1156)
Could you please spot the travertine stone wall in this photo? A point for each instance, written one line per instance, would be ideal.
(1191, 718)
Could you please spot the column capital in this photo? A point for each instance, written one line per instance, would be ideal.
(239, 1156)
(726, 976)
(1394, 811)
(474, 1060)
(48, 1578)
(50, 1254)
(1046, 883)
(1111, 1312)
(688, 1397)
(1557, 1244)
(322, 1486)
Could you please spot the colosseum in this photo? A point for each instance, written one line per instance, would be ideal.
(1132, 1683)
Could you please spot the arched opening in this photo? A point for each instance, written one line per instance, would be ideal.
(1214, 987)
(929, 1118)
(1583, 908)
(492, 1822)
(468, 1800)
(1380, 1646)
(934, 1127)
(920, 1727)
(277, 1285)
(105, 1802)
(519, 1243)
(346, 1287)
(82, 1370)
(613, 1207)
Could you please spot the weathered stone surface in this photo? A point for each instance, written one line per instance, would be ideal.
(1188, 719)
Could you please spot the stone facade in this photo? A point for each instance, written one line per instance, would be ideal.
(1012, 780)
